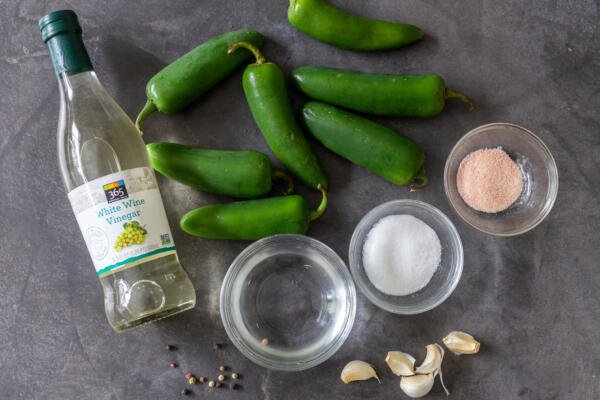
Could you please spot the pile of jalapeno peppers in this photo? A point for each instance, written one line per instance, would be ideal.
(249, 174)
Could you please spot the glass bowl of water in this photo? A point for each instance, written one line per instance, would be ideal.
(288, 302)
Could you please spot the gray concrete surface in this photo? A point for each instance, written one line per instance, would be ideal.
(532, 300)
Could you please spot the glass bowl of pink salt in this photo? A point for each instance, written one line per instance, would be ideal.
(501, 179)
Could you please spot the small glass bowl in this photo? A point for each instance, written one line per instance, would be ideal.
(540, 179)
(443, 281)
(288, 302)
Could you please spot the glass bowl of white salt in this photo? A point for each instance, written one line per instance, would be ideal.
(406, 256)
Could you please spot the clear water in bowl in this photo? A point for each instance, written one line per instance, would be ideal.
(294, 300)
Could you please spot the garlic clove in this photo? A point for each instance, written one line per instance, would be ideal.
(433, 359)
(358, 370)
(461, 343)
(417, 385)
(401, 364)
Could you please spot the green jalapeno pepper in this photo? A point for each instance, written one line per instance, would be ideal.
(252, 219)
(334, 26)
(184, 80)
(265, 88)
(375, 147)
(246, 174)
(379, 94)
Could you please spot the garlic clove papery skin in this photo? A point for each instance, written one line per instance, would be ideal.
(358, 370)
(433, 359)
(439, 372)
(461, 343)
(416, 386)
(401, 364)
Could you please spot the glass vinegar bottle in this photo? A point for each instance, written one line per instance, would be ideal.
(113, 190)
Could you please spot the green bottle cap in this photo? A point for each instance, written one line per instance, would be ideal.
(62, 33)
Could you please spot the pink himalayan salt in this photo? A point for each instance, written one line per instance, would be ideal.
(489, 180)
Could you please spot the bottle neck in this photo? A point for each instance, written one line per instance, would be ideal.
(71, 83)
(68, 53)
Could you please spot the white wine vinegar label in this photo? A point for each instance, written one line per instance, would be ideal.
(122, 219)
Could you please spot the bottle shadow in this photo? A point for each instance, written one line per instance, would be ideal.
(125, 68)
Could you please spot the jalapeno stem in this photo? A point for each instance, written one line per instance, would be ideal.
(421, 176)
(451, 93)
(283, 176)
(148, 109)
(321, 209)
(260, 59)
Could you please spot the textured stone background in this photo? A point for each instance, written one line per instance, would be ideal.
(532, 300)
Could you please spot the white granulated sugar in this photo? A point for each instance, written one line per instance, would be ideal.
(401, 254)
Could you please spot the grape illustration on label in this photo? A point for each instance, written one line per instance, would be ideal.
(133, 233)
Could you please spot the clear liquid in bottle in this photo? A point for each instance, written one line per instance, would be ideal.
(112, 189)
